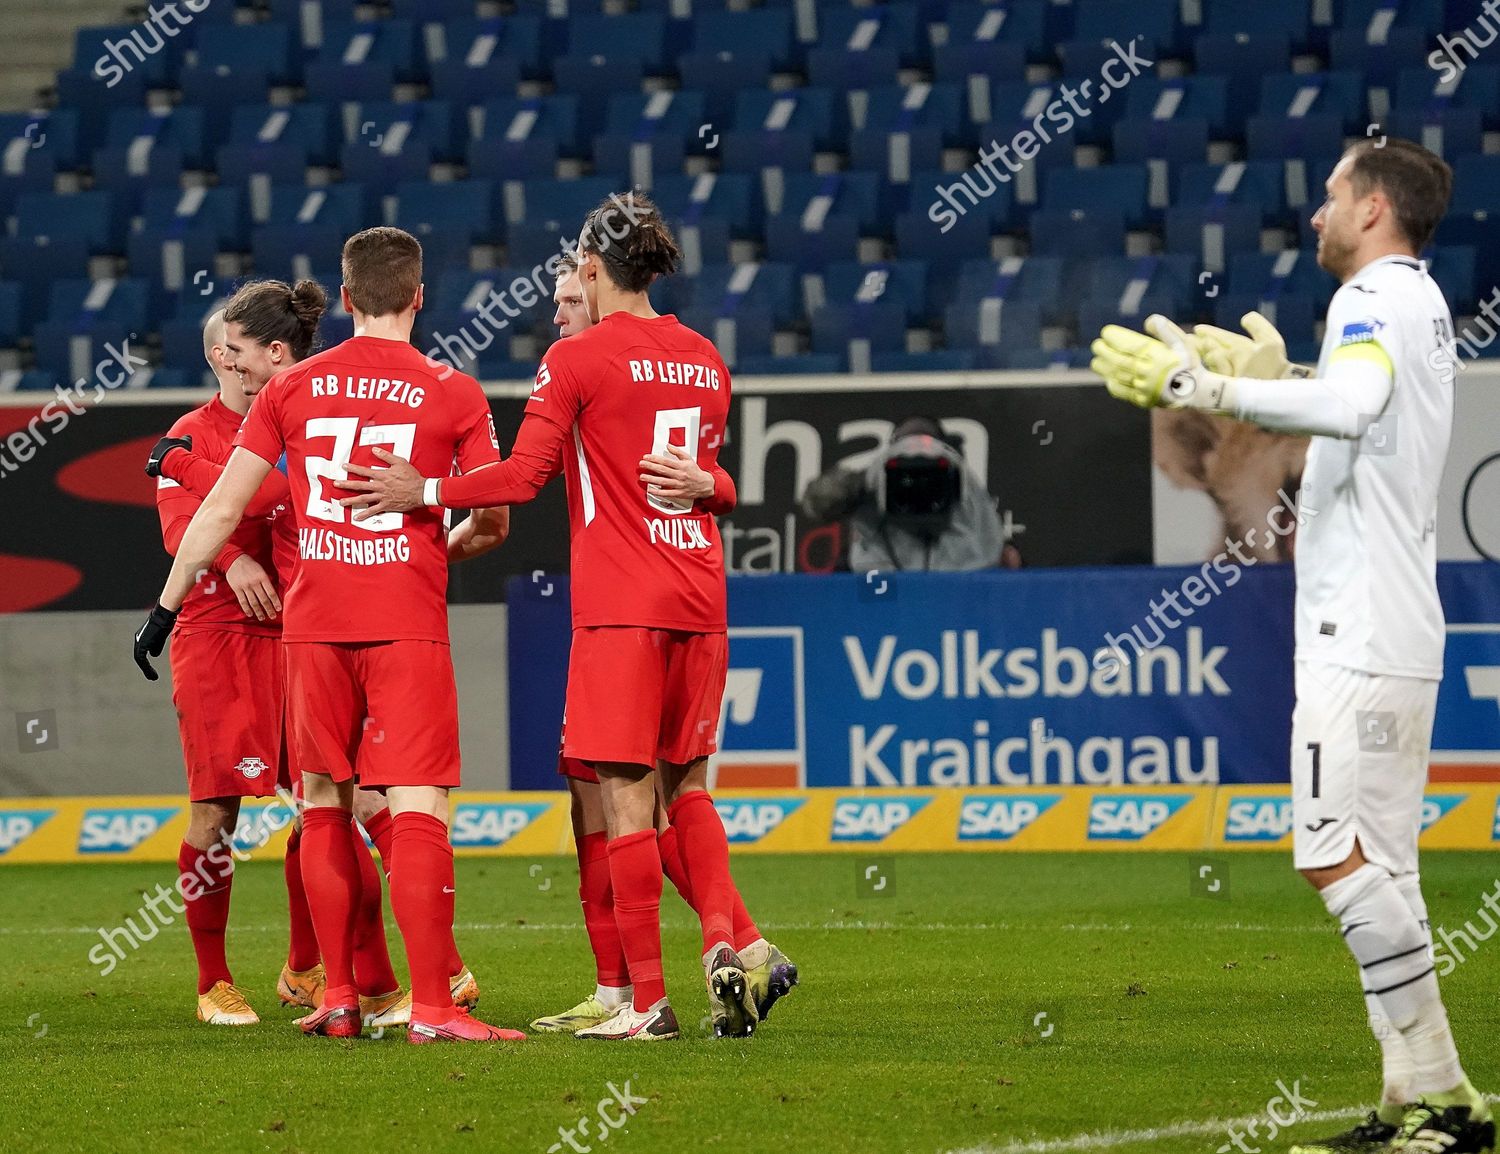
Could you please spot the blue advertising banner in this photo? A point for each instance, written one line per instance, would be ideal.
(1040, 678)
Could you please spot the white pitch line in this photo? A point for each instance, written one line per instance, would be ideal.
(1113, 1139)
(794, 927)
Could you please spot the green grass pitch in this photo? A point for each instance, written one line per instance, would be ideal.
(918, 1025)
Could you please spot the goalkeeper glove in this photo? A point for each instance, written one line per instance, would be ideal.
(160, 451)
(1262, 354)
(152, 636)
(1158, 370)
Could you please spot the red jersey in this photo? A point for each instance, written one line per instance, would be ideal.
(384, 578)
(211, 603)
(604, 398)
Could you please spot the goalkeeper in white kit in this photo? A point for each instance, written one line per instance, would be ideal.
(1369, 626)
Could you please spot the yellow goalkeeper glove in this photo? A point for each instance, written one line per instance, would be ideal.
(1160, 370)
(1262, 354)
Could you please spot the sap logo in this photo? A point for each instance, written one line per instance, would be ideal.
(491, 825)
(1001, 818)
(16, 825)
(1258, 819)
(874, 820)
(749, 821)
(119, 830)
(1132, 816)
(1439, 806)
(259, 823)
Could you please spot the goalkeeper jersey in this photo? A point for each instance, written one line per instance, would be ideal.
(1366, 556)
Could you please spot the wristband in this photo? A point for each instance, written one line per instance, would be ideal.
(430, 492)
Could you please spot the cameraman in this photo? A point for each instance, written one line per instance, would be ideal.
(917, 506)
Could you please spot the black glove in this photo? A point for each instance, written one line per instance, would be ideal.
(159, 453)
(150, 638)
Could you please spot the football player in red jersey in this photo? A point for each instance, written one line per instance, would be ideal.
(612, 988)
(365, 620)
(648, 596)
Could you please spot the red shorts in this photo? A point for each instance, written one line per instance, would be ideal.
(383, 711)
(640, 696)
(571, 766)
(227, 687)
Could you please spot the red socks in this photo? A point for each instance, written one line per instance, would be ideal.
(672, 864)
(705, 853)
(330, 872)
(635, 877)
(380, 828)
(208, 911)
(302, 952)
(422, 899)
(597, 899)
(372, 960)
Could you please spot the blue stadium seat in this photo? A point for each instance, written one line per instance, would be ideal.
(173, 261)
(55, 133)
(380, 159)
(642, 35)
(309, 18)
(432, 9)
(521, 118)
(460, 207)
(1087, 60)
(265, 164)
(268, 48)
(1475, 181)
(28, 380)
(768, 29)
(1378, 60)
(913, 106)
(932, 361)
(854, 331)
(920, 236)
(1212, 233)
(483, 46)
(1338, 94)
(498, 160)
(839, 70)
(118, 50)
(1034, 279)
(217, 90)
(720, 77)
(647, 134)
(1101, 20)
(1286, 138)
(24, 169)
(812, 240)
(36, 262)
(899, 282)
(10, 314)
(891, 25)
(1452, 266)
(85, 320)
(312, 125)
(1230, 17)
(1022, 24)
(380, 124)
(565, 201)
(851, 193)
(86, 215)
(219, 210)
(974, 190)
(1078, 232)
(1449, 132)
(88, 102)
(786, 150)
(334, 82)
(1127, 280)
(476, 77)
(181, 128)
(801, 364)
(736, 332)
(977, 68)
(1261, 182)
(993, 321)
(1187, 97)
(894, 157)
(1243, 59)
(1096, 312)
(594, 80)
(346, 205)
(1270, 276)
(1032, 360)
(1477, 86)
(130, 172)
(1423, 15)
(1162, 146)
(759, 286)
(291, 250)
(809, 110)
(1294, 313)
(361, 43)
(1020, 106)
(1119, 188)
(729, 196)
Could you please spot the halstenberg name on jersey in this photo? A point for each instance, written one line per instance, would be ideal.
(960, 667)
(326, 545)
(676, 373)
(679, 532)
(368, 389)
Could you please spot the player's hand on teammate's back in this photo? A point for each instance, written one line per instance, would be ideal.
(1162, 369)
(151, 637)
(677, 477)
(394, 489)
(160, 450)
(1262, 354)
(254, 588)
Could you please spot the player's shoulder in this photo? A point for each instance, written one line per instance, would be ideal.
(194, 421)
(1383, 282)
